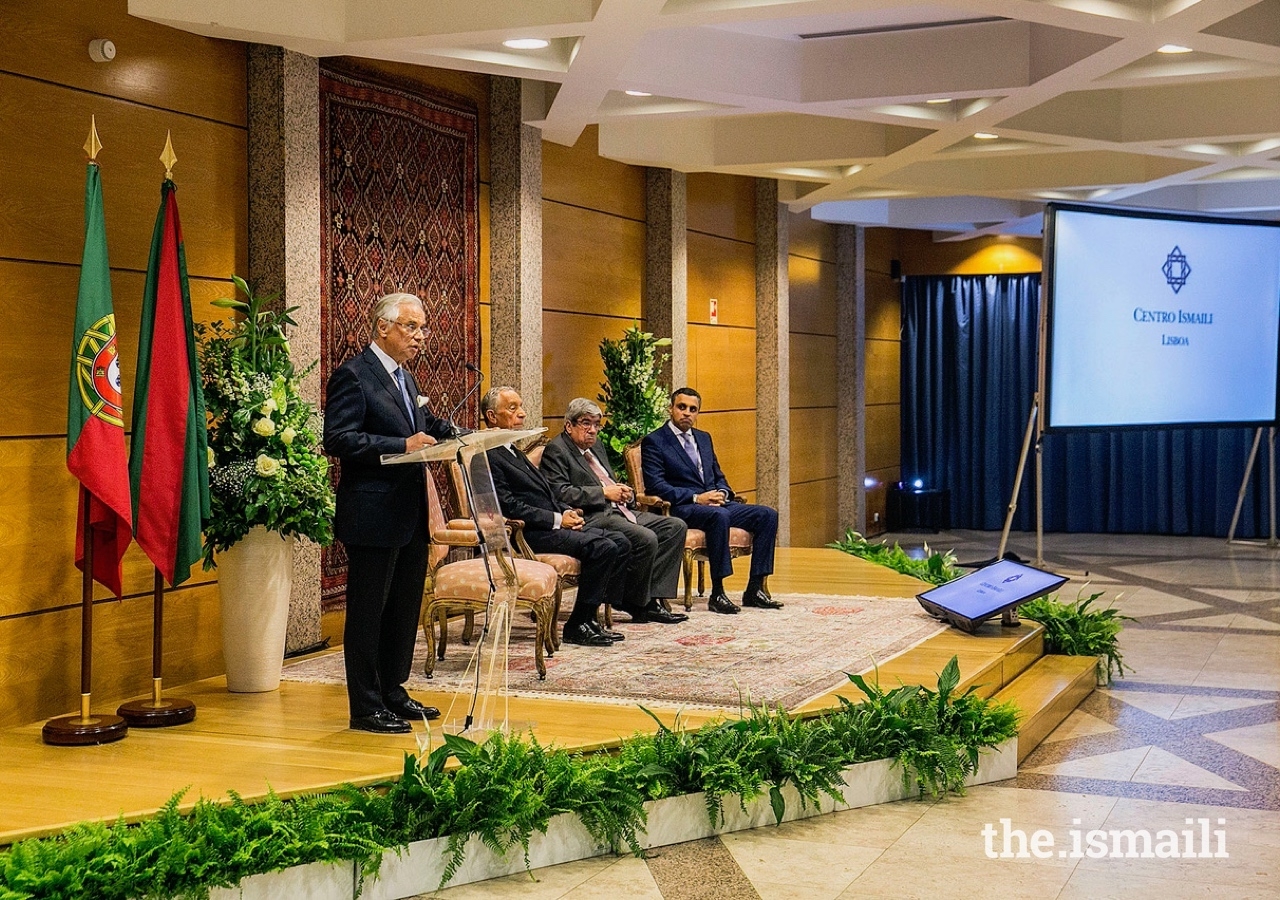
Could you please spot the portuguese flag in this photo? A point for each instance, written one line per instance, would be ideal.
(95, 415)
(168, 454)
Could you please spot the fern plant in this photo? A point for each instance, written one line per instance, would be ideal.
(935, 568)
(1080, 629)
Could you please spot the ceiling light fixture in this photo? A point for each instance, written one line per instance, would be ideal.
(1174, 48)
(939, 100)
(637, 93)
(985, 135)
(526, 44)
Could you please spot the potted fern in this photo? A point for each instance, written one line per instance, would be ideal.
(268, 480)
(1081, 629)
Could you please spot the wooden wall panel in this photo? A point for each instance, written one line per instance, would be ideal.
(483, 199)
(813, 446)
(38, 302)
(579, 176)
(592, 262)
(726, 270)
(40, 655)
(881, 246)
(884, 437)
(722, 367)
(813, 371)
(161, 80)
(812, 289)
(38, 528)
(486, 359)
(48, 40)
(810, 238)
(884, 381)
(42, 180)
(723, 205)
(993, 255)
(814, 514)
(734, 434)
(571, 365)
(877, 503)
(884, 307)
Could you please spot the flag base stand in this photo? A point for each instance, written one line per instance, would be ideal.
(84, 729)
(162, 714)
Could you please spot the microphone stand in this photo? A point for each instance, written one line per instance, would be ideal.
(458, 430)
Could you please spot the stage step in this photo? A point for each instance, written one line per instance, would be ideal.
(1046, 692)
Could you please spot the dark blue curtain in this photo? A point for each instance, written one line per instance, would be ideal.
(968, 376)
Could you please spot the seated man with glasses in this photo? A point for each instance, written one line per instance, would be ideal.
(578, 468)
(372, 407)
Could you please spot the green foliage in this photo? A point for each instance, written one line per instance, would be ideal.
(935, 568)
(266, 465)
(634, 401)
(1077, 629)
(507, 788)
(934, 735)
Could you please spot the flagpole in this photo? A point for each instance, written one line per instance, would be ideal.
(159, 711)
(86, 728)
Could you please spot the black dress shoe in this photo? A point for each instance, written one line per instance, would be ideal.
(410, 709)
(381, 722)
(657, 614)
(586, 636)
(760, 600)
(612, 635)
(720, 603)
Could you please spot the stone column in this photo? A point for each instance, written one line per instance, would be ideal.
(851, 376)
(666, 287)
(773, 357)
(284, 247)
(515, 245)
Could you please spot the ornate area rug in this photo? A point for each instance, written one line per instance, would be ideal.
(782, 657)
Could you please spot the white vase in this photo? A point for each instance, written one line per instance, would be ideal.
(255, 577)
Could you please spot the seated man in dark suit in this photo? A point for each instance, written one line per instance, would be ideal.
(680, 467)
(577, 467)
(554, 527)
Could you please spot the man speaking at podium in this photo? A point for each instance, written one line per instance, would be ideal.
(372, 408)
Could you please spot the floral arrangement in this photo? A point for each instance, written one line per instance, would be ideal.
(265, 462)
(635, 402)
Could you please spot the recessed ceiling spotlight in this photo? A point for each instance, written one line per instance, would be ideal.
(1174, 48)
(526, 44)
(939, 100)
(985, 135)
(637, 93)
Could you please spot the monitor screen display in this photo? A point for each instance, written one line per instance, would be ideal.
(1160, 320)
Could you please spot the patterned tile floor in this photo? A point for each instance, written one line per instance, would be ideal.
(1184, 750)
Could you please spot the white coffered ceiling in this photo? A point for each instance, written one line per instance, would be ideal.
(833, 99)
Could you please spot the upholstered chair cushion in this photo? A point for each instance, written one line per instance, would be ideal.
(469, 580)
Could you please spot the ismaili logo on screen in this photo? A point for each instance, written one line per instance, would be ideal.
(1176, 269)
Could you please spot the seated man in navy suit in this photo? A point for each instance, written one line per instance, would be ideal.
(680, 467)
(551, 526)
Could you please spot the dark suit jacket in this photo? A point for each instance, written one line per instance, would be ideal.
(571, 476)
(523, 492)
(365, 417)
(671, 475)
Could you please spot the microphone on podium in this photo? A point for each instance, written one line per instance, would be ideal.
(458, 431)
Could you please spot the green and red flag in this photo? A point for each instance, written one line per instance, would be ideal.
(168, 453)
(95, 413)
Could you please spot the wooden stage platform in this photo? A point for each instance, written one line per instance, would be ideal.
(295, 740)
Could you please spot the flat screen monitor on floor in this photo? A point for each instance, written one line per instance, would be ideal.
(971, 599)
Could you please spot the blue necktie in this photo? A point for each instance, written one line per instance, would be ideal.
(404, 394)
(691, 448)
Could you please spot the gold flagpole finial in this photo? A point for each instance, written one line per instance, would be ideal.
(93, 145)
(167, 157)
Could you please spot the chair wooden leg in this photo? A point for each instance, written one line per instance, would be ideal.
(539, 639)
(608, 615)
(688, 580)
(444, 633)
(702, 571)
(468, 628)
(553, 627)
